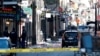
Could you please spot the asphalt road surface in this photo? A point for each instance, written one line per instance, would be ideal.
(67, 53)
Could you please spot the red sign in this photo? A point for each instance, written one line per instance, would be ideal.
(7, 9)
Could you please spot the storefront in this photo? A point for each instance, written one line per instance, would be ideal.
(8, 18)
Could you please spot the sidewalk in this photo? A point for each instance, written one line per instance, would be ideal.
(48, 44)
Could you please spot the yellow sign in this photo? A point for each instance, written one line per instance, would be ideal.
(37, 50)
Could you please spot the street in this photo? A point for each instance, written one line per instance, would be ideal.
(48, 44)
(59, 53)
(67, 53)
(31, 25)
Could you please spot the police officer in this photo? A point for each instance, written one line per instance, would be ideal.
(13, 37)
(23, 37)
(5, 33)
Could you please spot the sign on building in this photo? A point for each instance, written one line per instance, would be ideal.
(27, 10)
(48, 15)
(7, 12)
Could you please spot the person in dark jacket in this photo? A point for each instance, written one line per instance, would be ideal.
(23, 37)
(5, 33)
(13, 37)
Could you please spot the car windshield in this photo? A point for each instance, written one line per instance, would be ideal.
(71, 28)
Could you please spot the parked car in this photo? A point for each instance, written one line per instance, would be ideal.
(69, 38)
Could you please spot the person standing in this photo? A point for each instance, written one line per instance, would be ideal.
(13, 37)
(23, 37)
(77, 21)
(6, 33)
